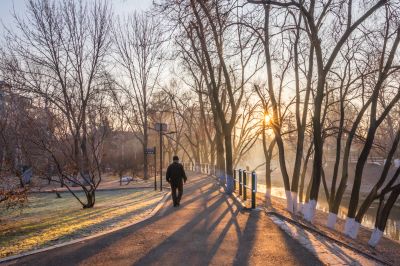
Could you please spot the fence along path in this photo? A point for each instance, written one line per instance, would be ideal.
(243, 181)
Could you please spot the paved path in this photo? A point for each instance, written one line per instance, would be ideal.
(207, 229)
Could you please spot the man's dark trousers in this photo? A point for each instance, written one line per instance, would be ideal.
(176, 187)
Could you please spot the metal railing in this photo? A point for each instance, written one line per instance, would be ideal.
(205, 168)
(245, 181)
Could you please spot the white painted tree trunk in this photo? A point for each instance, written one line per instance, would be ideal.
(294, 201)
(289, 201)
(268, 193)
(310, 210)
(304, 209)
(332, 218)
(375, 237)
(268, 201)
(301, 207)
(348, 226)
(354, 230)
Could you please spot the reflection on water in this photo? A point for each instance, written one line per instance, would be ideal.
(392, 229)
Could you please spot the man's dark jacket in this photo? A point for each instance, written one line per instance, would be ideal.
(175, 173)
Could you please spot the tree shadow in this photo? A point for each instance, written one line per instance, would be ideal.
(207, 223)
(326, 245)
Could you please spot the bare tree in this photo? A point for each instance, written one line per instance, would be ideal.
(289, 60)
(325, 58)
(246, 132)
(375, 120)
(268, 150)
(211, 28)
(14, 111)
(58, 54)
(139, 53)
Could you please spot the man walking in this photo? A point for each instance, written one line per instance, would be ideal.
(176, 176)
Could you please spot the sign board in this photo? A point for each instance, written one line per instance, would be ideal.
(161, 127)
(150, 150)
(26, 174)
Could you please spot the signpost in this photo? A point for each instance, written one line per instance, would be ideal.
(153, 151)
(150, 150)
(26, 174)
(161, 127)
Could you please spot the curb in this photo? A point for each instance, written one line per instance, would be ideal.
(99, 189)
(313, 230)
(150, 215)
(243, 204)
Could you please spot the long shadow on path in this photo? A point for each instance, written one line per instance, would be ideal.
(209, 228)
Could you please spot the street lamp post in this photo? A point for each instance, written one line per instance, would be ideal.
(161, 128)
(155, 169)
(161, 145)
(153, 151)
(161, 154)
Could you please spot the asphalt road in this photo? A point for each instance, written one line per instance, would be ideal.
(209, 228)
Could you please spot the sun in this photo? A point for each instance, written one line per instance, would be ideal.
(267, 119)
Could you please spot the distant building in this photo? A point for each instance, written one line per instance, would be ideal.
(13, 116)
(3, 87)
(16, 102)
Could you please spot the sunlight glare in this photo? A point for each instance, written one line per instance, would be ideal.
(267, 118)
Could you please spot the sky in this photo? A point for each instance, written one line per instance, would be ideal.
(120, 7)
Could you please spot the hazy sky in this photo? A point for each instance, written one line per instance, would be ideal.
(119, 7)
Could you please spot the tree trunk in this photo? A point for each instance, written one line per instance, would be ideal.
(90, 199)
(2, 159)
(212, 152)
(268, 152)
(145, 156)
(220, 157)
(374, 124)
(345, 163)
(374, 192)
(276, 119)
(382, 217)
(303, 177)
(318, 150)
(301, 117)
(229, 161)
(331, 201)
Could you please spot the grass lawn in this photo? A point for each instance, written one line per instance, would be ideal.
(47, 220)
